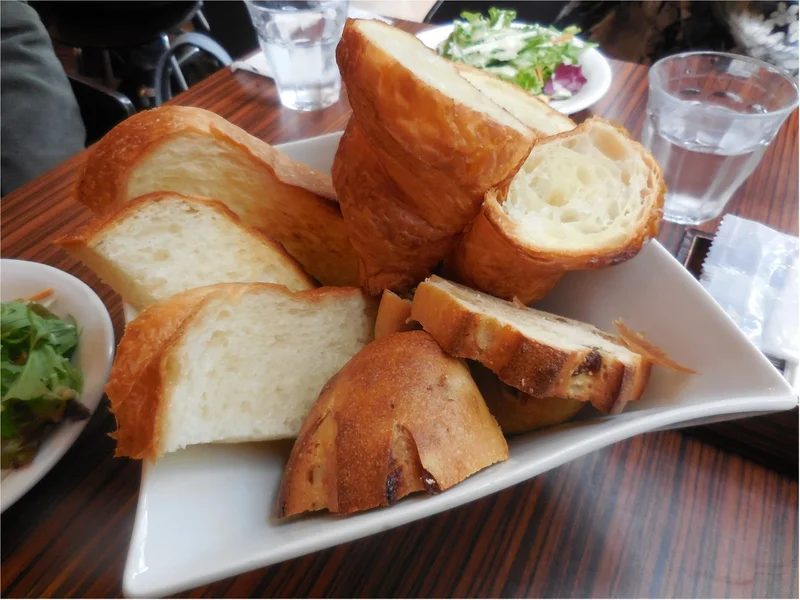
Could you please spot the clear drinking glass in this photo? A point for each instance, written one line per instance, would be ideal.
(299, 40)
(710, 118)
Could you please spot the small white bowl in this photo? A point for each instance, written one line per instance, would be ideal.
(22, 279)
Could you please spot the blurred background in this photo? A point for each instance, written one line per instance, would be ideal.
(89, 65)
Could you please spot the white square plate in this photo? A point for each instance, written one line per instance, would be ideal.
(208, 512)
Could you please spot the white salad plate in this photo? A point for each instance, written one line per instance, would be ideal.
(208, 512)
(94, 355)
(594, 65)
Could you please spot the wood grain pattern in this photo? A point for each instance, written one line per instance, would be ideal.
(659, 515)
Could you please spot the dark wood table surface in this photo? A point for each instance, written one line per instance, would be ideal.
(660, 515)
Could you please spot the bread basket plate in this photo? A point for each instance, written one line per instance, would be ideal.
(95, 353)
(208, 512)
(594, 65)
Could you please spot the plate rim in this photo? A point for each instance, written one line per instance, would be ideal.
(22, 485)
(604, 73)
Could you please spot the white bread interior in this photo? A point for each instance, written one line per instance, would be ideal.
(165, 243)
(591, 188)
(250, 368)
(536, 114)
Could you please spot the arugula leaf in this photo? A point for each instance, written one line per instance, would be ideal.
(40, 386)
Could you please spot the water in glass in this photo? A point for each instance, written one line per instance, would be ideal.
(299, 40)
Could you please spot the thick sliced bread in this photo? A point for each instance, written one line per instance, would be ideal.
(164, 243)
(401, 417)
(517, 412)
(438, 142)
(232, 362)
(541, 354)
(196, 152)
(584, 199)
(540, 117)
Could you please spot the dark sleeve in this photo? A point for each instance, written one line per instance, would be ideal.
(41, 124)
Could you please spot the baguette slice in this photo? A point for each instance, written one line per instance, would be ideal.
(538, 116)
(584, 199)
(393, 315)
(401, 417)
(196, 152)
(232, 362)
(164, 243)
(438, 143)
(517, 412)
(541, 354)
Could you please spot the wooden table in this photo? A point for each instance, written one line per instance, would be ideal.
(662, 514)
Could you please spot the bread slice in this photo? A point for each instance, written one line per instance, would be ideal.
(439, 142)
(538, 116)
(232, 362)
(196, 152)
(393, 315)
(584, 199)
(163, 243)
(517, 412)
(541, 354)
(401, 417)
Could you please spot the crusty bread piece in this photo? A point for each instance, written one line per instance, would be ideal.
(517, 412)
(440, 143)
(541, 354)
(393, 315)
(196, 152)
(584, 199)
(163, 243)
(402, 416)
(540, 117)
(396, 247)
(231, 362)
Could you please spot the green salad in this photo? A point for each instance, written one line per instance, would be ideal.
(40, 386)
(541, 60)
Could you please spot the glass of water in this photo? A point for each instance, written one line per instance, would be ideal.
(710, 118)
(299, 40)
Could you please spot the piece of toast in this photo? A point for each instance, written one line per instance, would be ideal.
(401, 417)
(439, 141)
(541, 354)
(584, 199)
(232, 362)
(196, 152)
(517, 412)
(163, 243)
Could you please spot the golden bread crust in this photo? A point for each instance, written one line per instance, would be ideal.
(396, 248)
(401, 416)
(541, 370)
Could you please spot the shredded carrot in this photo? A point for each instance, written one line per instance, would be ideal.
(539, 73)
(41, 295)
(564, 38)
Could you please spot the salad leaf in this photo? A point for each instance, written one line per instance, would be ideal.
(528, 55)
(40, 386)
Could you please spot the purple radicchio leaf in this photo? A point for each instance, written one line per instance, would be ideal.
(566, 78)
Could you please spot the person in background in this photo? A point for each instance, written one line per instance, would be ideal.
(646, 31)
(40, 122)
